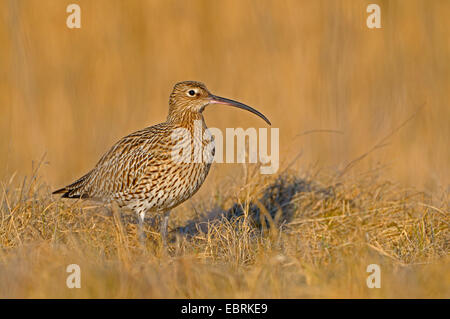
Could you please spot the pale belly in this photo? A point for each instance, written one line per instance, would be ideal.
(178, 189)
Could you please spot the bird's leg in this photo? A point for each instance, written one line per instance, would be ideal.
(164, 226)
(141, 216)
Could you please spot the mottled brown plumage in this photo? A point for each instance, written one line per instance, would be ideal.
(139, 172)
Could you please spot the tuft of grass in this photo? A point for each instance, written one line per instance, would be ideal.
(286, 236)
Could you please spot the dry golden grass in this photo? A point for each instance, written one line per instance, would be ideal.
(284, 236)
(312, 67)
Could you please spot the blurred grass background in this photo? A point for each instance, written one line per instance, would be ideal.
(307, 65)
(66, 95)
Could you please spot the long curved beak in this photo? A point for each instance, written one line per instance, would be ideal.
(221, 100)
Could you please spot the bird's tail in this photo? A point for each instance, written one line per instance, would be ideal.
(60, 191)
(75, 190)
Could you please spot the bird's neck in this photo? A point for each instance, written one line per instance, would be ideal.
(184, 119)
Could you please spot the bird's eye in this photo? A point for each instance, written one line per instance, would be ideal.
(191, 92)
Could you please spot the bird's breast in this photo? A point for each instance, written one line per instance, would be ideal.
(168, 184)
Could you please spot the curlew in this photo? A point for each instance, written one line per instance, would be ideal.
(140, 172)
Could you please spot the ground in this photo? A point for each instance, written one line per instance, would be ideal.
(284, 236)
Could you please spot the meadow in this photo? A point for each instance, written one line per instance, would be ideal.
(363, 118)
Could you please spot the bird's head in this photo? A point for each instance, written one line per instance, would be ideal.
(192, 97)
